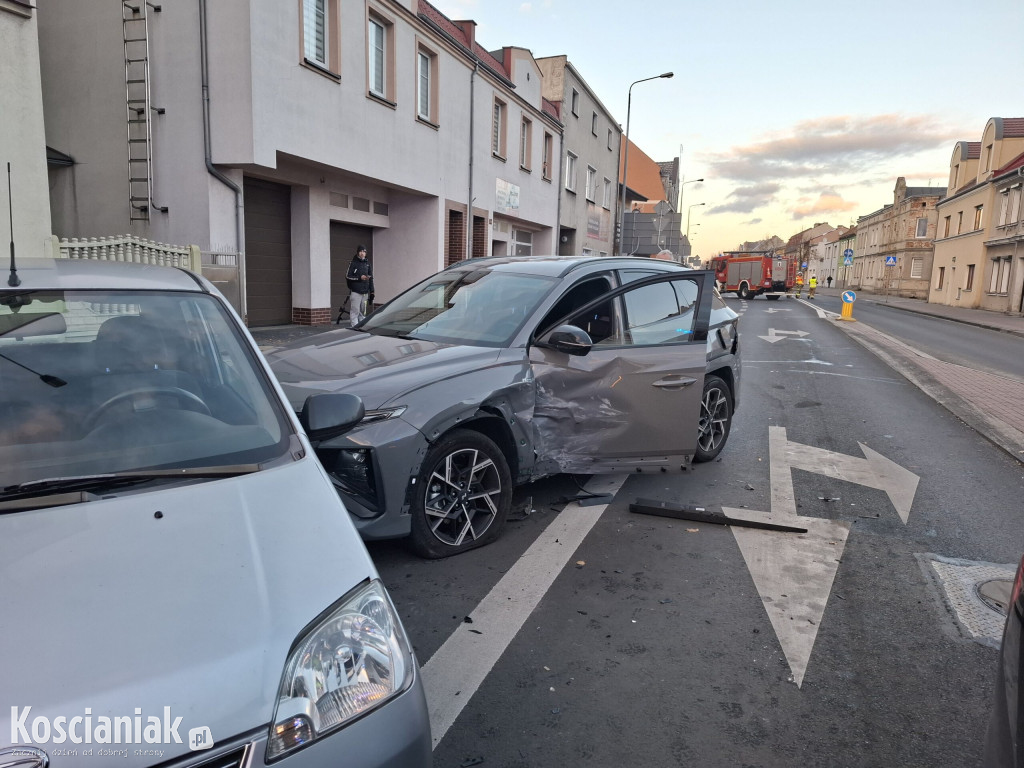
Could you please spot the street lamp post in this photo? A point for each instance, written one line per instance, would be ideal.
(694, 181)
(625, 156)
(688, 218)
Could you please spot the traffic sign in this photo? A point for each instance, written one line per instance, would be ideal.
(849, 297)
(804, 265)
(890, 261)
(848, 260)
(848, 253)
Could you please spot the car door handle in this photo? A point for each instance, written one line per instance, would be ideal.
(674, 382)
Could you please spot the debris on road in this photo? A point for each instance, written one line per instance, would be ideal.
(700, 514)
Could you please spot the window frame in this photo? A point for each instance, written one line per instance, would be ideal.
(593, 123)
(574, 102)
(606, 201)
(571, 159)
(386, 91)
(918, 233)
(331, 64)
(424, 51)
(499, 128)
(969, 283)
(979, 211)
(591, 190)
(549, 144)
(525, 143)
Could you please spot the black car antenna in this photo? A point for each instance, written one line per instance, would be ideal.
(13, 280)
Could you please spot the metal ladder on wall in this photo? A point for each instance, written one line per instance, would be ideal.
(139, 108)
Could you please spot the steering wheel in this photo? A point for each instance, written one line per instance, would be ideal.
(190, 400)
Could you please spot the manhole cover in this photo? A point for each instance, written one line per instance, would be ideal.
(996, 594)
(974, 593)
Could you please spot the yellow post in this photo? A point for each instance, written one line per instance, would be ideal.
(847, 311)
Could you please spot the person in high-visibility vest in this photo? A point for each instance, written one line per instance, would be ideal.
(799, 283)
(813, 284)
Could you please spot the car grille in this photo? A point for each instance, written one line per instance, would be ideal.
(236, 757)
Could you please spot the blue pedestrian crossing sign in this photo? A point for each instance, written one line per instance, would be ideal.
(848, 260)
(890, 261)
(849, 297)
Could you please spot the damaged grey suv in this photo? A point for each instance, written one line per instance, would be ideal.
(502, 370)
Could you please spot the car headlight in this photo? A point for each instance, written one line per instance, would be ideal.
(380, 414)
(350, 662)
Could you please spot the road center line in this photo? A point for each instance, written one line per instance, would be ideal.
(457, 670)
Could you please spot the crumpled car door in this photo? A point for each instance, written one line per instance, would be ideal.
(633, 400)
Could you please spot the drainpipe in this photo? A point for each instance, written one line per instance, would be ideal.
(209, 163)
(469, 207)
(561, 166)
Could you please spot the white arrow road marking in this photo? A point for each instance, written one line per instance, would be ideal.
(774, 335)
(773, 310)
(874, 471)
(459, 667)
(793, 574)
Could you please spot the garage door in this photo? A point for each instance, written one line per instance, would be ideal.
(345, 238)
(268, 253)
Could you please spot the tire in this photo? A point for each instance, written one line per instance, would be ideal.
(715, 419)
(744, 292)
(476, 511)
(773, 297)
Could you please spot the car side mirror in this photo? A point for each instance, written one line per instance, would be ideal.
(330, 414)
(568, 339)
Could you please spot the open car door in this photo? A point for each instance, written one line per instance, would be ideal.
(619, 380)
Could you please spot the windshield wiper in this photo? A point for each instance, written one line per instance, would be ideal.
(13, 496)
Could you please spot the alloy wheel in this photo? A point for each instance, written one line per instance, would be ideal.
(714, 417)
(462, 496)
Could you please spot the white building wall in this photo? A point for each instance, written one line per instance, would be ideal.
(21, 136)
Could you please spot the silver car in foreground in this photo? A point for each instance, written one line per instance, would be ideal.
(179, 580)
(503, 370)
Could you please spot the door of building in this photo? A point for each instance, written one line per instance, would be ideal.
(345, 239)
(268, 253)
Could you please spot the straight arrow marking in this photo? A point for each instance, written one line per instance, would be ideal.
(793, 574)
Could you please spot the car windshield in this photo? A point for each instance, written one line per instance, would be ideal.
(105, 382)
(479, 307)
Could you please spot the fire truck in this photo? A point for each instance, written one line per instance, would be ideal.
(754, 273)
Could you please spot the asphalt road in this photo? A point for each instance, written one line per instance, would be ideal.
(662, 642)
(947, 340)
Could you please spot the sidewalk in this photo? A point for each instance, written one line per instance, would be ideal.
(983, 318)
(992, 405)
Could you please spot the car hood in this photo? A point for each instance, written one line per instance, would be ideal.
(377, 368)
(108, 607)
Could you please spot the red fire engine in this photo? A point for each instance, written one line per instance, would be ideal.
(754, 273)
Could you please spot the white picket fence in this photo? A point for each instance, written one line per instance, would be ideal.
(128, 248)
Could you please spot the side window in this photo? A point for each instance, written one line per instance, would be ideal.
(627, 276)
(574, 298)
(662, 313)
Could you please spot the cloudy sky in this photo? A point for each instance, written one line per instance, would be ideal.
(794, 112)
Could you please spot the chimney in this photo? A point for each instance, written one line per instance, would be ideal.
(468, 28)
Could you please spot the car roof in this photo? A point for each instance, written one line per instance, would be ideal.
(86, 274)
(559, 266)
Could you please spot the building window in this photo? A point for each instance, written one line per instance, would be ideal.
(593, 124)
(575, 102)
(498, 130)
(609, 139)
(988, 158)
(960, 222)
(319, 34)
(525, 144)
(549, 142)
(977, 217)
(922, 228)
(945, 228)
(380, 57)
(954, 176)
(591, 183)
(1015, 213)
(970, 278)
(941, 278)
(1004, 207)
(570, 171)
(1000, 281)
(314, 30)
(426, 85)
(606, 197)
(916, 268)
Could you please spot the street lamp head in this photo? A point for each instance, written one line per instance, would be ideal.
(667, 74)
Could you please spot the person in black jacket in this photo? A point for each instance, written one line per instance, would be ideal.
(360, 283)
